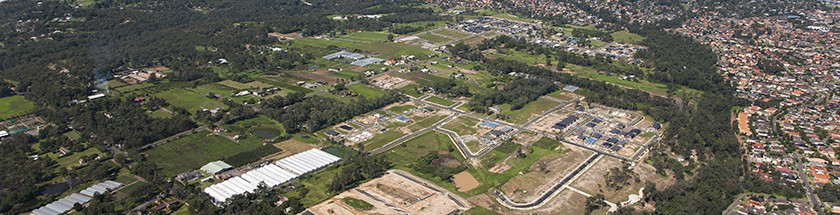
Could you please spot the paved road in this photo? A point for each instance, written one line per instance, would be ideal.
(809, 191)
(539, 201)
(734, 205)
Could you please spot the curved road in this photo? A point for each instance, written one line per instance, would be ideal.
(539, 201)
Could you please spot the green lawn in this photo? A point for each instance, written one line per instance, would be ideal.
(195, 150)
(536, 107)
(626, 37)
(401, 109)
(366, 91)
(411, 90)
(357, 203)
(190, 100)
(73, 135)
(250, 125)
(440, 101)
(72, 160)
(463, 125)
(15, 106)
(160, 114)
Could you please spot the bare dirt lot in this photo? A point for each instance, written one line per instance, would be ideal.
(464, 181)
(592, 181)
(390, 194)
(542, 175)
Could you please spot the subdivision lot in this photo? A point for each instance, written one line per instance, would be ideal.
(543, 174)
(381, 195)
(593, 180)
(439, 100)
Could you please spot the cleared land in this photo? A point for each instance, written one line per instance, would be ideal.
(387, 193)
(14, 106)
(593, 180)
(192, 101)
(193, 151)
(528, 111)
(366, 91)
(371, 42)
(626, 37)
(440, 101)
(544, 173)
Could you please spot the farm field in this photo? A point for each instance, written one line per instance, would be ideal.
(190, 100)
(160, 114)
(14, 106)
(366, 91)
(192, 151)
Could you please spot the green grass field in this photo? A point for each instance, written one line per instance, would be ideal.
(412, 150)
(536, 107)
(381, 139)
(190, 100)
(129, 88)
(462, 125)
(643, 85)
(160, 114)
(195, 150)
(440, 101)
(366, 91)
(15, 106)
(357, 203)
(453, 33)
(252, 124)
(626, 37)
(433, 38)
(244, 86)
(411, 90)
(371, 42)
(523, 164)
(72, 160)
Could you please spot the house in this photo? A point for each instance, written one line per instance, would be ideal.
(332, 133)
(63, 150)
(345, 127)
